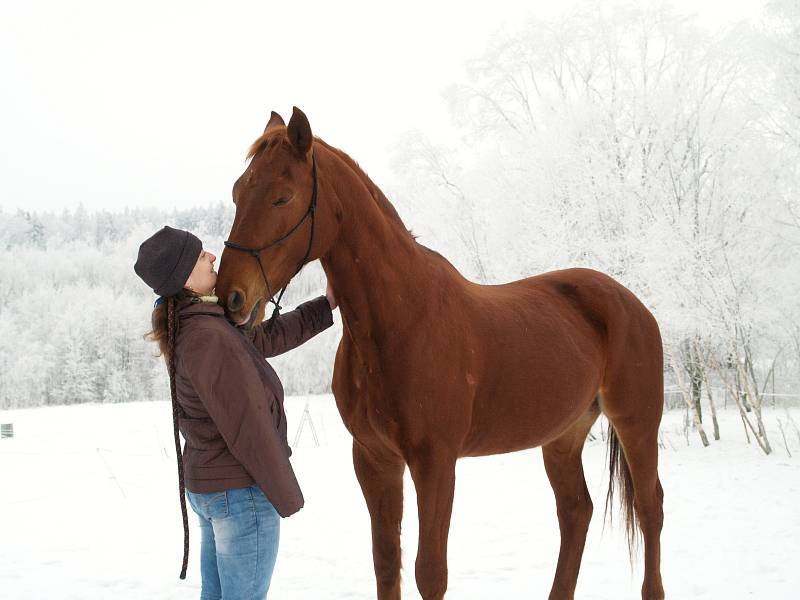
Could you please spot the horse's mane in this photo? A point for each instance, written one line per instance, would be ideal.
(382, 201)
(377, 194)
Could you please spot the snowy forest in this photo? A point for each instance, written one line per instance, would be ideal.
(632, 141)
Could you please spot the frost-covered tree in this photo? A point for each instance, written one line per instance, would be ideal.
(73, 312)
(628, 140)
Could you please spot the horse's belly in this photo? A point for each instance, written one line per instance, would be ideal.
(514, 417)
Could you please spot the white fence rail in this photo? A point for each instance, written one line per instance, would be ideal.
(673, 398)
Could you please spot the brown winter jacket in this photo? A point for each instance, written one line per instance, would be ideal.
(234, 423)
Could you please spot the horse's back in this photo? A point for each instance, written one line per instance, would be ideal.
(605, 305)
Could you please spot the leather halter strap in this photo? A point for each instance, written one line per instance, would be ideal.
(256, 252)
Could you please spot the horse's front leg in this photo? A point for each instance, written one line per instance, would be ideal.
(434, 475)
(381, 479)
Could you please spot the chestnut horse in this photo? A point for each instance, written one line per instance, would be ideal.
(432, 367)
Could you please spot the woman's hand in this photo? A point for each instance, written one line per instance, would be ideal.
(330, 296)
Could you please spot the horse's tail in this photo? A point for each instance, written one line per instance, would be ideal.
(619, 474)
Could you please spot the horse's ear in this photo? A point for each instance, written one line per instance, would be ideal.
(275, 120)
(299, 131)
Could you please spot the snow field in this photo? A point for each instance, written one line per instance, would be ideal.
(90, 511)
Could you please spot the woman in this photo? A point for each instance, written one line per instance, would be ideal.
(228, 404)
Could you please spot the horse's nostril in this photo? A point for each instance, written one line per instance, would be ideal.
(235, 300)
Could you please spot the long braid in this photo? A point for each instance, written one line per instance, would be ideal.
(172, 333)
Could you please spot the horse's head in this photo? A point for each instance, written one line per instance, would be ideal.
(275, 216)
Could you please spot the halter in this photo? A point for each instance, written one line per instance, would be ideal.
(256, 252)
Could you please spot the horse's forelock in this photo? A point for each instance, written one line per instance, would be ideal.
(265, 140)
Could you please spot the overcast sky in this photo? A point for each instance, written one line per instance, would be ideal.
(154, 103)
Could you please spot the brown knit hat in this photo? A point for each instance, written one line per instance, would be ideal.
(166, 259)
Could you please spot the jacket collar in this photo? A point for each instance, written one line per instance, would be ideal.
(204, 305)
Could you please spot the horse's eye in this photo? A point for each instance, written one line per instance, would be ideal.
(280, 201)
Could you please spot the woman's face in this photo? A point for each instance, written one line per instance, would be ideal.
(203, 277)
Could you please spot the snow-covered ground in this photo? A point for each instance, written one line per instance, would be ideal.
(90, 510)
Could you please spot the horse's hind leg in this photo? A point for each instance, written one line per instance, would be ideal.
(634, 411)
(562, 462)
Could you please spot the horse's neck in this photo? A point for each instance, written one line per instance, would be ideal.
(375, 265)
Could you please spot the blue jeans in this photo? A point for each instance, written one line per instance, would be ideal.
(240, 532)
